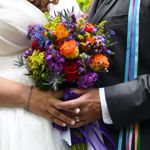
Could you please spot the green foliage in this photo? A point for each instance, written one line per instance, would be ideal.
(84, 5)
(20, 61)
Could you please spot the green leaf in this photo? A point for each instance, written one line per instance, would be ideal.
(20, 61)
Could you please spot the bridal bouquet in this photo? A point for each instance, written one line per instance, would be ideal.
(68, 52)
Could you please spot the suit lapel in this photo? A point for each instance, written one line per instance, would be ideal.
(92, 10)
(102, 10)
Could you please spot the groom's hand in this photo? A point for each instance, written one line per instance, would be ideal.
(89, 105)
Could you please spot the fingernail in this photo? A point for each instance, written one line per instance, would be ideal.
(63, 124)
(72, 122)
(77, 110)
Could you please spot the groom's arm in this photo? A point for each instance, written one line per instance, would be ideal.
(129, 102)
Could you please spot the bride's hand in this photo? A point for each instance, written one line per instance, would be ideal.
(43, 103)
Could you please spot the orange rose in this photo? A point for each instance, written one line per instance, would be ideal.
(69, 49)
(61, 32)
(99, 62)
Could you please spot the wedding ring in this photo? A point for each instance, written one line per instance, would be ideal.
(77, 119)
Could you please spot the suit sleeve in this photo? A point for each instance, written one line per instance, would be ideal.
(129, 102)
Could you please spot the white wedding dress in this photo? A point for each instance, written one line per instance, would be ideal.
(19, 129)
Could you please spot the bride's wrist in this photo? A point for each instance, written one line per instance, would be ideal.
(25, 97)
(28, 98)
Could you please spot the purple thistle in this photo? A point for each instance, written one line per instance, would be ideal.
(112, 33)
(109, 52)
(87, 80)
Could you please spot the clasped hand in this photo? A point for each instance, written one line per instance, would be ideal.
(48, 104)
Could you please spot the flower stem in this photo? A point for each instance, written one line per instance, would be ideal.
(81, 146)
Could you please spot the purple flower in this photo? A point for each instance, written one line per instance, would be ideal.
(95, 31)
(49, 57)
(81, 70)
(109, 52)
(82, 31)
(87, 80)
(102, 39)
(30, 31)
(70, 37)
(73, 18)
(54, 60)
(103, 48)
(28, 53)
(84, 63)
(40, 41)
(35, 31)
(112, 33)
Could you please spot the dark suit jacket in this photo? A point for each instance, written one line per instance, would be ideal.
(127, 102)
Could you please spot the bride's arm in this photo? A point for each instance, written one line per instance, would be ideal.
(13, 94)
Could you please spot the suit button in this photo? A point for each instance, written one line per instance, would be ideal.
(108, 1)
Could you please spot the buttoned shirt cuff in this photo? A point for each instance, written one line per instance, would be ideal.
(105, 112)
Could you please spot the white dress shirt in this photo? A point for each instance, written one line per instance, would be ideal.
(105, 112)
